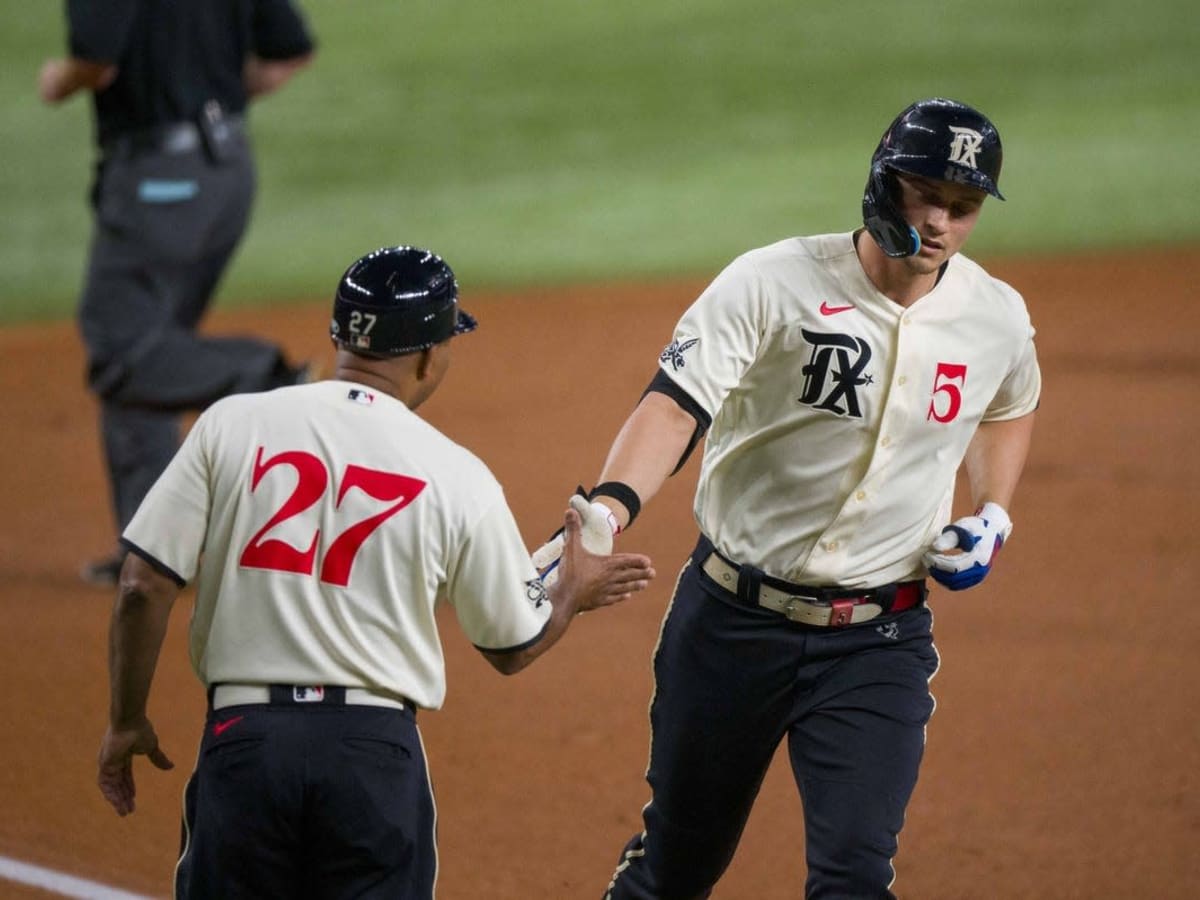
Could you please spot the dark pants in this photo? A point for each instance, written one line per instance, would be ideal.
(166, 226)
(731, 682)
(308, 802)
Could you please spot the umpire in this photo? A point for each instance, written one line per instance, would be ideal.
(171, 197)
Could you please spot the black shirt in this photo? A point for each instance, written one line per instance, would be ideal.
(175, 55)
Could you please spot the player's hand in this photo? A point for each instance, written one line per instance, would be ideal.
(117, 751)
(962, 555)
(599, 527)
(596, 580)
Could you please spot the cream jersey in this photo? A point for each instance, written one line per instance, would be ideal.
(323, 523)
(839, 417)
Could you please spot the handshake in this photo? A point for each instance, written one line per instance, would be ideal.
(599, 528)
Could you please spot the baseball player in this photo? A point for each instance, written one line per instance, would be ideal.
(321, 524)
(171, 198)
(841, 380)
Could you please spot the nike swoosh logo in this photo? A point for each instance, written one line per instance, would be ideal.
(220, 728)
(827, 310)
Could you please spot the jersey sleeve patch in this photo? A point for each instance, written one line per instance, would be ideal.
(535, 593)
(673, 355)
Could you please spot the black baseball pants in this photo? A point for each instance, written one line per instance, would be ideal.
(732, 682)
(305, 801)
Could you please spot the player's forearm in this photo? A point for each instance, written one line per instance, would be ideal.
(60, 78)
(647, 449)
(139, 624)
(263, 76)
(995, 459)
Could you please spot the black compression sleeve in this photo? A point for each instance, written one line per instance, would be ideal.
(662, 384)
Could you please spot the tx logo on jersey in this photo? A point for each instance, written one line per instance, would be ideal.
(834, 373)
(674, 353)
(966, 143)
(535, 592)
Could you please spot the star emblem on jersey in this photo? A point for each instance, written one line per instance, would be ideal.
(827, 310)
(674, 353)
(535, 591)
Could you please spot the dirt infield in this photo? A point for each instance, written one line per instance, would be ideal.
(1064, 757)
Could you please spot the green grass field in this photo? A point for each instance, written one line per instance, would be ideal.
(540, 142)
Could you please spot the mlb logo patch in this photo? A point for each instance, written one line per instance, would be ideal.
(313, 693)
(366, 398)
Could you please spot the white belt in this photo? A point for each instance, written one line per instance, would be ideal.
(795, 607)
(243, 694)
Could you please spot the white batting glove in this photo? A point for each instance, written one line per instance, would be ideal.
(977, 539)
(599, 526)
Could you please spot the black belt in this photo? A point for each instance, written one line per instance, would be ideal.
(826, 607)
(172, 138)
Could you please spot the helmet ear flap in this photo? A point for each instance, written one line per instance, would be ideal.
(882, 216)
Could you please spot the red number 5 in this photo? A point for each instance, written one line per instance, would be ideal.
(311, 480)
(948, 381)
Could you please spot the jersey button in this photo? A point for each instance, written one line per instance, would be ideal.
(903, 379)
(885, 441)
(831, 546)
(860, 496)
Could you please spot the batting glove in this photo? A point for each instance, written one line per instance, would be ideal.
(961, 556)
(599, 527)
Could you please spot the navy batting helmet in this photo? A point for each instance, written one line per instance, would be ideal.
(939, 139)
(397, 300)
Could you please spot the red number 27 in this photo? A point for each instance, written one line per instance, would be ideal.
(311, 480)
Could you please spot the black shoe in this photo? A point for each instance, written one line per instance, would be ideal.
(104, 572)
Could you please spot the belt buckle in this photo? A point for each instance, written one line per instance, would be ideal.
(796, 601)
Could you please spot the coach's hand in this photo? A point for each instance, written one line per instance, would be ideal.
(962, 555)
(117, 751)
(593, 579)
(599, 526)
